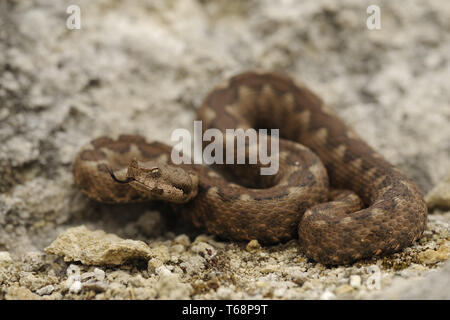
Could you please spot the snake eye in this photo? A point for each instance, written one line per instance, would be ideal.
(154, 173)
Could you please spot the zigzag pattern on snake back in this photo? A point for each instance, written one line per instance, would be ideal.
(383, 213)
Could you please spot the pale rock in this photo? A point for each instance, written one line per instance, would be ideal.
(99, 274)
(5, 259)
(45, 290)
(203, 249)
(431, 256)
(153, 264)
(75, 287)
(97, 247)
(253, 245)
(343, 289)
(439, 196)
(182, 239)
(33, 261)
(170, 287)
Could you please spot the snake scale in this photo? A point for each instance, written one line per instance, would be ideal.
(341, 199)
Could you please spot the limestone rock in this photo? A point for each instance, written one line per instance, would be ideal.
(431, 256)
(97, 247)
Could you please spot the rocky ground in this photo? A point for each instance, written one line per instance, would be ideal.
(143, 67)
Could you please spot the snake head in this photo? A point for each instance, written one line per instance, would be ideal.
(161, 181)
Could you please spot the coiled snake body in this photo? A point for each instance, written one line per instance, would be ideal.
(383, 213)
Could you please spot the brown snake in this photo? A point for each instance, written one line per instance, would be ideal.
(337, 227)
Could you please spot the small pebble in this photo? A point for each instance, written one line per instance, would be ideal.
(345, 288)
(183, 240)
(33, 261)
(162, 253)
(45, 290)
(99, 274)
(75, 287)
(279, 292)
(202, 238)
(86, 275)
(96, 286)
(204, 249)
(163, 271)
(153, 264)
(298, 277)
(5, 259)
(270, 268)
(253, 245)
(177, 248)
